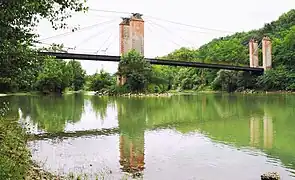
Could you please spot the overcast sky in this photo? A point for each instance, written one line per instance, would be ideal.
(162, 37)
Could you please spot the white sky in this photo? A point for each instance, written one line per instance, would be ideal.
(162, 37)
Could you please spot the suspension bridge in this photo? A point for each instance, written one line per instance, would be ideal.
(109, 58)
(132, 36)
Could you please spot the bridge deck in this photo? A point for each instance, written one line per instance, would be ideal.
(152, 61)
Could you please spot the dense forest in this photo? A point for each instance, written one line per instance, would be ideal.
(234, 50)
(22, 69)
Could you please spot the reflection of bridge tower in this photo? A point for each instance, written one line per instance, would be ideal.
(132, 154)
(254, 131)
(132, 129)
(267, 131)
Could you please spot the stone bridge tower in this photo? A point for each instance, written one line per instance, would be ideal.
(266, 53)
(253, 50)
(131, 37)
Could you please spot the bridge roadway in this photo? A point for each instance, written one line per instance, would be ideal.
(93, 57)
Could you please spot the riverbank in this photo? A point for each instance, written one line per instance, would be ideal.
(165, 94)
(15, 159)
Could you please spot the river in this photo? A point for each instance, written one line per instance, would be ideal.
(204, 136)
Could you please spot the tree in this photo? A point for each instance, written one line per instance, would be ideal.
(226, 80)
(77, 75)
(19, 67)
(101, 80)
(277, 79)
(137, 71)
(284, 53)
(18, 62)
(54, 77)
(234, 50)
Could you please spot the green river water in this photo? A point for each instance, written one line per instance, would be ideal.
(204, 136)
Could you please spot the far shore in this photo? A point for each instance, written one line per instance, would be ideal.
(164, 94)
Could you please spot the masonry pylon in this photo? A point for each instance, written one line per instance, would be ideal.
(266, 53)
(131, 37)
(253, 53)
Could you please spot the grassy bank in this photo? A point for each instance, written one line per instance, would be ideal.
(15, 159)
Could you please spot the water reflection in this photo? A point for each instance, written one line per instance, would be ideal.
(254, 131)
(132, 127)
(51, 113)
(100, 105)
(263, 122)
(267, 132)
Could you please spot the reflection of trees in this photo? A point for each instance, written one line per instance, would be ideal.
(280, 110)
(237, 120)
(9, 108)
(132, 122)
(52, 112)
(100, 105)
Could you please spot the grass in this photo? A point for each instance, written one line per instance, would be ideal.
(15, 158)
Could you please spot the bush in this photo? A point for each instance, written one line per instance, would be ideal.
(116, 90)
(226, 81)
(7, 85)
(153, 88)
(102, 80)
(77, 79)
(276, 79)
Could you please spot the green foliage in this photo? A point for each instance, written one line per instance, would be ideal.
(285, 53)
(6, 84)
(23, 66)
(18, 18)
(225, 80)
(77, 75)
(233, 50)
(101, 80)
(277, 79)
(183, 54)
(231, 81)
(15, 157)
(161, 79)
(137, 71)
(153, 88)
(54, 77)
(118, 90)
(51, 112)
